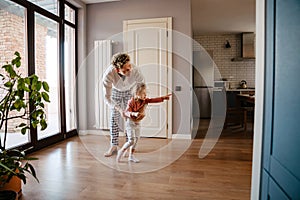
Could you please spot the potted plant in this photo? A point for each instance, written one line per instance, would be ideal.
(17, 94)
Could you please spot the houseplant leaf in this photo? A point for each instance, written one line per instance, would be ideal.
(18, 93)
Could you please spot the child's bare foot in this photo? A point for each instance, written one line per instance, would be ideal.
(131, 158)
(120, 155)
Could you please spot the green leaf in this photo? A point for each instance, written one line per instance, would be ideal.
(18, 104)
(22, 124)
(8, 169)
(23, 130)
(18, 64)
(38, 85)
(39, 112)
(26, 89)
(43, 124)
(45, 86)
(17, 54)
(27, 80)
(20, 94)
(8, 84)
(16, 61)
(21, 84)
(33, 85)
(34, 123)
(34, 115)
(41, 104)
(34, 80)
(45, 96)
(23, 178)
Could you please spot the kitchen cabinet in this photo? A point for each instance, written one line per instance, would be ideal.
(231, 96)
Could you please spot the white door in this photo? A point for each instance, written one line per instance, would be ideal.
(148, 42)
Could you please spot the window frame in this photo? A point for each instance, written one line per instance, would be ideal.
(35, 144)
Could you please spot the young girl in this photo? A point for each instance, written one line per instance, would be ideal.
(135, 112)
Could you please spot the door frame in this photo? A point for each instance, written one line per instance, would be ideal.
(259, 100)
(168, 21)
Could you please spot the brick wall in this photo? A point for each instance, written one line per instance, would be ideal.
(239, 70)
(12, 38)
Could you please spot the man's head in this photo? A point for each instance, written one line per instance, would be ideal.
(121, 62)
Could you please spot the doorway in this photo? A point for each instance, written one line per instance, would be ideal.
(149, 44)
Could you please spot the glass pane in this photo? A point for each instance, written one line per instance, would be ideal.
(70, 91)
(49, 5)
(69, 14)
(12, 38)
(46, 67)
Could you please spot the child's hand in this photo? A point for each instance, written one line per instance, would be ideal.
(167, 97)
(134, 114)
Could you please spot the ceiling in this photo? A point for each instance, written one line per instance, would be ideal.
(97, 1)
(218, 16)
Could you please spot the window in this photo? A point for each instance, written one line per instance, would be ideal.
(49, 5)
(12, 38)
(46, 68)
(69, 14)
(70, 89)
(47, 44)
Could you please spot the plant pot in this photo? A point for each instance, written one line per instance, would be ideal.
(14, 185)
(8, 195)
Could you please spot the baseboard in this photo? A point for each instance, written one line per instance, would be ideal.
(106, 132)
(96, 132)
(181, 136)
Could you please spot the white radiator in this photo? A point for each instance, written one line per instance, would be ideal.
(103, 54)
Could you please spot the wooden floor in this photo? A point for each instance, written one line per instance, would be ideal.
(169, 169)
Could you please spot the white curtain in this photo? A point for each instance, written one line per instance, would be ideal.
(103, 54)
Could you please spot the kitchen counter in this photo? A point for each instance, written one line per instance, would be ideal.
(233, 93)
(240, 90)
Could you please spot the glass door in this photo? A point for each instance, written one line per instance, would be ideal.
(70, 87)
(12, 38)
(46, 68)
(46, 41)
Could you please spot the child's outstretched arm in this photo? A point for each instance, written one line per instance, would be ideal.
(158, 99)
(167, 97)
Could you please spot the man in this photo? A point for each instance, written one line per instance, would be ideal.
(118, 81)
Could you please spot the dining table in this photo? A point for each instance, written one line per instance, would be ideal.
(246, 98)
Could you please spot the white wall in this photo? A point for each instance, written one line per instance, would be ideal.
(104, 20)
(239, 70)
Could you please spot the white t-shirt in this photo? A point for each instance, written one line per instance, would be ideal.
(111, 79)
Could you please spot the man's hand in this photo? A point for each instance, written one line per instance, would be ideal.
(120, 111)
(136, 116)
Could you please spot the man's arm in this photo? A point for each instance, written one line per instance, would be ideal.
(107, 90)
(129, 110)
